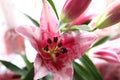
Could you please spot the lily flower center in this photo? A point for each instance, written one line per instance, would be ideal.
(55, 48)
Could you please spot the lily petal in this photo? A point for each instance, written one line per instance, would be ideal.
(91, 12)
(78, 42)
(48, 20)
(31, 33)
(73, 9)
(40, 69)
(65, 74)
(108, 51)
(107, 55)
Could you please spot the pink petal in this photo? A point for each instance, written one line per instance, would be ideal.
(95, 8)
(109, 71)
(31, 33)
(108, 51)
(13, 41)
(65, 74)
(107, 55)
(83, 18)
(74, 8)
(78, 42)
(48, 20)
(40, 69)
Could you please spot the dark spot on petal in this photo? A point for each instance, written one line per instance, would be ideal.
(64, 50)
(57, 54)
(55, 39)
(49, 40)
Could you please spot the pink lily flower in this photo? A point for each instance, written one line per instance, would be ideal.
(109, 51)
(56, 50)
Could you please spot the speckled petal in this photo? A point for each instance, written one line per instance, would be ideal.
(78, 42)
(65, 74)
(40, 69)
(31, 33)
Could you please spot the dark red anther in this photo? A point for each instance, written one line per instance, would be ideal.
(46, 48)
(60, 44)
(64, 50)
(55, 39)
(49, 40)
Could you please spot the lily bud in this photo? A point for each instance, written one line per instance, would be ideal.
(110, 16)
(73, 9)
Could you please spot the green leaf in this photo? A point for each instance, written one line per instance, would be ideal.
(104, 39)
(90, 67)
(54, 8)
(29, 75)
(76, 76)
(13, 67)
(80, 72)
(33, 20)
(29, 65)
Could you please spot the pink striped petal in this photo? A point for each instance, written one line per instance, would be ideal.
(78, 42)
(65, 74)
(39, 67)
(31, 33)
(107, 55)
(48, 20)
(108, 51)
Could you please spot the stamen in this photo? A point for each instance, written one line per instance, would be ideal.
(64, 50)
(55, 39)
(59, 44)
(49, 40)
(46, 48)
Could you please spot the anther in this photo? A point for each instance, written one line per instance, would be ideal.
(59, 44)
(55, 39)
(64, 50)
(46, 48)
(49, 40)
